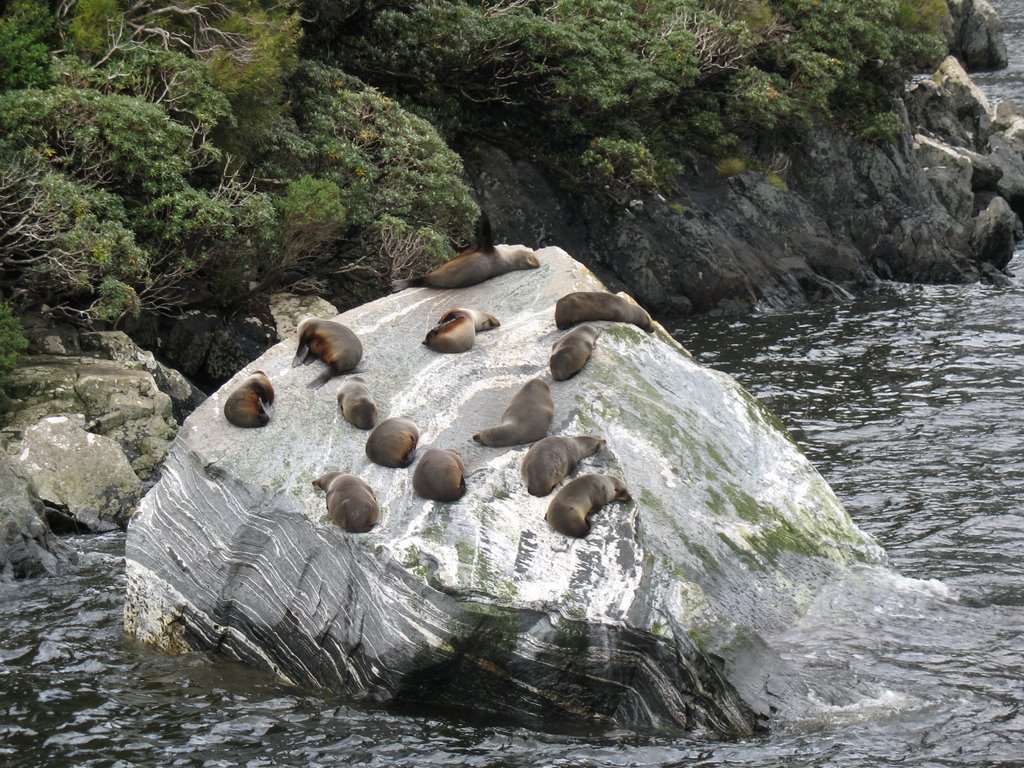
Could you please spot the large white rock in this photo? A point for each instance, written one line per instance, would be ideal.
(656, 619)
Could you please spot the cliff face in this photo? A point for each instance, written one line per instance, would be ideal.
(847, 214)
(656, 619)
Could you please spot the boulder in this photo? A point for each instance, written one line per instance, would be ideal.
(83, 478)
(124, 404)
(951, 107)
(660, 618)
(977, 35)
(27, 546)
(996, 231)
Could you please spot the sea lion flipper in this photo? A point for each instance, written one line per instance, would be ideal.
(322, 379)
(301, 355)
(400, 284)
(484, 234)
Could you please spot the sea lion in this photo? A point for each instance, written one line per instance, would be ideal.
(571, 352)
(252, 402)
(480, 261)
(599, 305)
(331, 343)
(569, 512)
(456, 330)
(525, 420)
(351, 503)
(439, 475)
(392, 443)
(357, 404)
(550, 460)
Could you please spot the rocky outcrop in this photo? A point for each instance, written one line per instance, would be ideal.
(838, 215)
(657, 619)
(90, 419)
(27, 546)
(974, 157)
(976, 35)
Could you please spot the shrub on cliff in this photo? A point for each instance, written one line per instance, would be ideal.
(12, 341)
(374, 189)
(618, 87)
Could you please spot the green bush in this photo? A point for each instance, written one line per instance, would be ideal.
(27, 32)
(12, 341)
(373, 172)
(664, 75)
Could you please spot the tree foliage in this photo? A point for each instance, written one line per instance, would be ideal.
(154, 155)
(592, 83)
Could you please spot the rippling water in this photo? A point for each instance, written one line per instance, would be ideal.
(911, 403)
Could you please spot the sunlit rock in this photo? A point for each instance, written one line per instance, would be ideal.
(657, 619)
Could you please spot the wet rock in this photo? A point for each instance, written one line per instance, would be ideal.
(657, 619)
(996, 231)
(27, 546)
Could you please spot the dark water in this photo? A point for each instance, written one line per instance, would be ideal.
(911, 403)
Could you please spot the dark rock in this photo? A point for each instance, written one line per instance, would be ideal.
(995, 234)
(977, 35)
(950, 107)
(27, 546)
(209, 350)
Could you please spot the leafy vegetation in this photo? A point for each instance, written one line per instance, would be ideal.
(157, 155)
(12, 341)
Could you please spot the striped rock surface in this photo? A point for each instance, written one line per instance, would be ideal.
(661, 618)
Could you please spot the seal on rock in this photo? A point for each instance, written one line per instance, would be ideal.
(357, 404)
(569, 512)
(351, 503)
(456, 330)
(571, 352)
(599, 305)
(549, 461)
(439, 475)
(481, 261)
(332, 343)
(525, 420)
(392, 443)
(252, 402)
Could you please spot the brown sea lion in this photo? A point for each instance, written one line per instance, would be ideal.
(569, 512)
(392, 443)
(357, 404)
(456, 330)
(351, 503)
(332, 343)
(571, 352)
(439, 475)
(599, 305)
(252, 402)
(549, 461)
(526, 418)
(481, 261)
